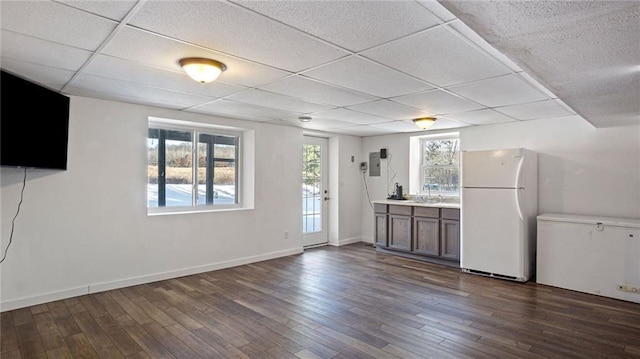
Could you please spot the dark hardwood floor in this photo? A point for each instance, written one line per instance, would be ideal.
(345, 302)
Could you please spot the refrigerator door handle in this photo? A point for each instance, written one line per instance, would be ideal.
(517, 191)
(518, 187)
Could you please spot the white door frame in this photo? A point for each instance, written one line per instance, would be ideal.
(316, 232)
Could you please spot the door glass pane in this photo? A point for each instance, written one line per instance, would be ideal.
(311, 189)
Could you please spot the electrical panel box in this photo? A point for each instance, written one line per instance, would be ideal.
(374, 164)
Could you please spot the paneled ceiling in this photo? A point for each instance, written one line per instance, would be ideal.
(356, 67)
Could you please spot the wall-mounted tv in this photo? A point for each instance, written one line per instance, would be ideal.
(34, 124)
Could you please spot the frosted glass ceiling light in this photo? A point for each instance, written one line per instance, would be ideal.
(424, 122)
(201, 69)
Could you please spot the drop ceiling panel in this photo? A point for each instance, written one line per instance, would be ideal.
(315, 91)
(52, 78)
(361, 130)
(438, 102)
(274, 100)
(478, 41)
(398, 126)
(369, 77)
(500, 91)
(481, 117)
(580, 50)
(353, 117)
(56, 22)
(30, 49)
(438, 56)
(446, 123)
(129, 71)
(389, 109)
(438, 10)
(228, 28)
(154, 50)
(536, 110)
(134, 91)
(243, 110)
(319, 124)
(354, 25)
(115, 10)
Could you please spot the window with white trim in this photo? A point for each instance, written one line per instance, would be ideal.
(192, 167)
(440, 166)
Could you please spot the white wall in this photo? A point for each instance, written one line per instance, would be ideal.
(581, 169)
(86, 229)
(349, 189)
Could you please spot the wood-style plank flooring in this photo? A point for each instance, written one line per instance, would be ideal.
(330, 302)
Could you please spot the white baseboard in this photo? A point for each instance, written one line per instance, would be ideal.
(127, 282)
(344, 242)
(43, 298)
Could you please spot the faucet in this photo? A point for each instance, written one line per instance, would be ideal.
(440, 198)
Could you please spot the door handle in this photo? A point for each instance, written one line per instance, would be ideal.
(327, 198)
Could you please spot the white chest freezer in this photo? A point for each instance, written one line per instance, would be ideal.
(596, 255)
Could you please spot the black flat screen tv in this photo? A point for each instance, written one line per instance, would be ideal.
(34, 124)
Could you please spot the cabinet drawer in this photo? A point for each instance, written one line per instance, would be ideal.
(403, 210)
(451, 213)
(429, 212)
(380, 208)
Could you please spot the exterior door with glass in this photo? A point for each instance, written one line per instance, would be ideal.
(315, 193)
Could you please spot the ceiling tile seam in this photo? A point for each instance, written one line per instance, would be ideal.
(363, 57)
(415, 33)
(479, 47)
(207, 48)
(359, 112)
(342, 87)
(433, 90)
(326, 42)
(121, 25)
(49, 41)
(40, 65)
(441, 20)
(91, 13)
(450, 90)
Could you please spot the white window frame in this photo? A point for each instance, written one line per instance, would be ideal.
(417, 165)
(196, 128)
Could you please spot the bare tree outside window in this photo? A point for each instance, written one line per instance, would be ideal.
(441, 167)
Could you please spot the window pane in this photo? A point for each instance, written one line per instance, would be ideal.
(179, 169)
(173, 165)
(441, 167)
(217, 170)
(152, 169)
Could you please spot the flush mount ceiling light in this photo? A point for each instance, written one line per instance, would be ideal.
(201, 69)
(424, 122)
(304, 118)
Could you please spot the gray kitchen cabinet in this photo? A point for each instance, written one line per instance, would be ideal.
(450, 234)
(426, 234)
(419, 232)
(400, 227)
(380, 229)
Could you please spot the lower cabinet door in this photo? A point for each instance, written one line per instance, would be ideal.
(400, 232)
(426, 236)
(450, 239)
(380, 229)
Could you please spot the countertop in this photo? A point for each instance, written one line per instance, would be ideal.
(417, 204)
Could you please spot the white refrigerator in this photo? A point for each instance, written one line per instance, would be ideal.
(499, 205)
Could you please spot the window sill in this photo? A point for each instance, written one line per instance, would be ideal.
(177, 211)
